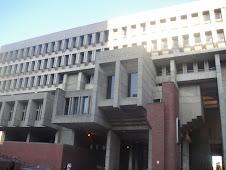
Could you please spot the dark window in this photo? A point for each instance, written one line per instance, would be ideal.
(82, 57)
(82, 39)
(180, 69)
(90, 56)
(106, 33)
(89, 39)
(212, 65)
(85, 107)
(132, 85)
(201, 66)
(189, 67)
(61, 78)
(110, 88)
(88, 79)
(159, 71)
(66, 106)
(75, 107)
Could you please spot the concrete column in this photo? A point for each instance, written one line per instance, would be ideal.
(150, 149)
(17, 113)
(30, 113)
(112, 151)
(173, 72)
(81, 81)
(130, 164)
(212, 16)
(223, 14)
(117, 88)
(28, 137)
(222, 105)
(4, 114)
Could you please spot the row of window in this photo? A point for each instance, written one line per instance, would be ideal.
(77, 105)
(38, 113)
(101, 37)
(188, 68)
(29, 82)
(61, 45)
(174, 21)
(132, 86)
(50, 63)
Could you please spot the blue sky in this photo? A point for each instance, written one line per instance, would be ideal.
(24, 19)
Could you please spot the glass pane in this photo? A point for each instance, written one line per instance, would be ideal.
(133, 85)
(75, 108)
(85, 104)
(66, 106)
(110, 88)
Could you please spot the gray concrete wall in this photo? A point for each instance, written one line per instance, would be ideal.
(72, 82)
(112, 151)
(190, 103)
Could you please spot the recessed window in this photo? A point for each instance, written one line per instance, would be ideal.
(39, 112)
(66, 109)
(175, 42)
(133, 30)
(82, 40)
(98, 37)
(209, 38)
(217, 13)
(90, 56)
(89, 39)
(179, 69)
(159, 71)
(197, 39)
(164, 44)
(124, 31)
(82, 57)
(66, 43)
(201, 66)
(220, 35)
(106, 34)
(206, 16)
(186, 40)
(143, 27)
(190, 67)
(110, 87)
(75, 105)
(168, 70)
(85, 108)
(61, 78)
(132, 85)
(212, 65)
(115, 34)
(154, 45)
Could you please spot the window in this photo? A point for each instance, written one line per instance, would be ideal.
(90, 56)
(59, 45)
(159, 71)
(133, 30)
(39, 112)
(11, 113)
(175, 42)
(85, 108)
(154, 45)
(61, 78)
(110, 87)
(153, 26)
(184, 21)
(180, 69)
(66, 109)
(66, 43)
(82, 57)
(124, 31)
(132, 85)
(106, 33)
(197, 39)
(189, 67)
(59, 61)
(209, 38)
(186, 40)
(89, 39)
(217, 13)
(97, 37)
(143, 27)
(66, 60)
(88, 79)
(168, 70)
(201, 66)
(195, 19)
(75, 105)
(82, 39)
(24, 113)
(115, 34)
(220, 35)
(164, 44)
(206, 16)
(212, 65)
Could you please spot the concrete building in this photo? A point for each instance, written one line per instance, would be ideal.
(145, 91)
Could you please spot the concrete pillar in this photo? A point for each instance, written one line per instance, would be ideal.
(30, 113)
(130, 163)
(221, 105)
(185, 151)
(4, 113)
(112, 151)
(28, 137)
(173, 72)
(150, 149)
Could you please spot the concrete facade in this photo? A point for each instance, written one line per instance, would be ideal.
(139, 92)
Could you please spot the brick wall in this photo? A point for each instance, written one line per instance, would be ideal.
(162, 118)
